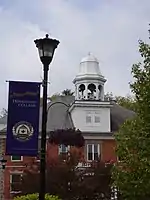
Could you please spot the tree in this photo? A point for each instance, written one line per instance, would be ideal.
(132, 174)
(67, 92)
(66, 180)
(128, 102)
(3, 112)
(67, 137)
(54, 96)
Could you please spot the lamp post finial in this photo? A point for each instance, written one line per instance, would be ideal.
(47, 35)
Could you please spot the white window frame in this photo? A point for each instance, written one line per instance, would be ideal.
(21, 159)
(93, 151)
(60, 149)
(92, 115)
(14, 173)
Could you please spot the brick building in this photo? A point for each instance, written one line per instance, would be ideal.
(96, 117)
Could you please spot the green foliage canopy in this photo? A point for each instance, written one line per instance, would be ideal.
(132, 174)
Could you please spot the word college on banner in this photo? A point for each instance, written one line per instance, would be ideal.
(23, 118)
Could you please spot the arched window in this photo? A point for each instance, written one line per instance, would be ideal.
(100, 91)
(81, 91)
(91, 91)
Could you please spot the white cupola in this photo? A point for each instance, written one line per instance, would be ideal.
(89, 82)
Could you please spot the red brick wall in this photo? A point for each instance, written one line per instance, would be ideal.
(13, 167)
(107, 151)
(52, 152)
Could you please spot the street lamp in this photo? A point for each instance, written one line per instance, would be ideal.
(46, 47)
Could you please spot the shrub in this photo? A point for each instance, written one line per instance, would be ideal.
(35, 197)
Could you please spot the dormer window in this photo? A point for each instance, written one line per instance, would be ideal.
(88, 119)
(97, 119)
(92, 118)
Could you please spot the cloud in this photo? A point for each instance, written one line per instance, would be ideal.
(109, 29)
(18, 54)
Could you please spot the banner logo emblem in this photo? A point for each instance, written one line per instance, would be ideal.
(23, 131)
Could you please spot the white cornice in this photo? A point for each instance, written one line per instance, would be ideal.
(85, 77)
(98, 137)
(89, 104)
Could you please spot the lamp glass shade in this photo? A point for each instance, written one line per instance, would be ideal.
(46, 51)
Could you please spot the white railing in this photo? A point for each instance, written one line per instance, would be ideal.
(83, 165)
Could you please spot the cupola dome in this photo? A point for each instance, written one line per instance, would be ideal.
(89, 65)
(89, 58)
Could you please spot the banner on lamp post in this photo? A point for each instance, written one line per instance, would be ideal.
(23, 118)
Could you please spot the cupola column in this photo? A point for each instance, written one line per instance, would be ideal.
(77, 92)
(86, 91)
(102, 93)
(97, 92)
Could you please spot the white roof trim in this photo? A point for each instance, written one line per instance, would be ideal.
(89, 137)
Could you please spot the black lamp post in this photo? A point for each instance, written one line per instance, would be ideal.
(46, 47)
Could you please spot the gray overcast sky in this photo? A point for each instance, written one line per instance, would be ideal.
(110, 29)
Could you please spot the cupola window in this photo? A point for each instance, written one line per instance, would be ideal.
(91, 91)
(81, 91)
(100, 91)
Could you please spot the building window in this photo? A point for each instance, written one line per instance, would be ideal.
(93, 152)
(90, 152)
(97, 119)
(63, 151)
(16, 158)
(88, 119)
(15, 182)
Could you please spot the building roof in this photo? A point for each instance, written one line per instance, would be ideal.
(59, 117)
(118, 115)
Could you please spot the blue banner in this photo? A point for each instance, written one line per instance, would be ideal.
(23, 118)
